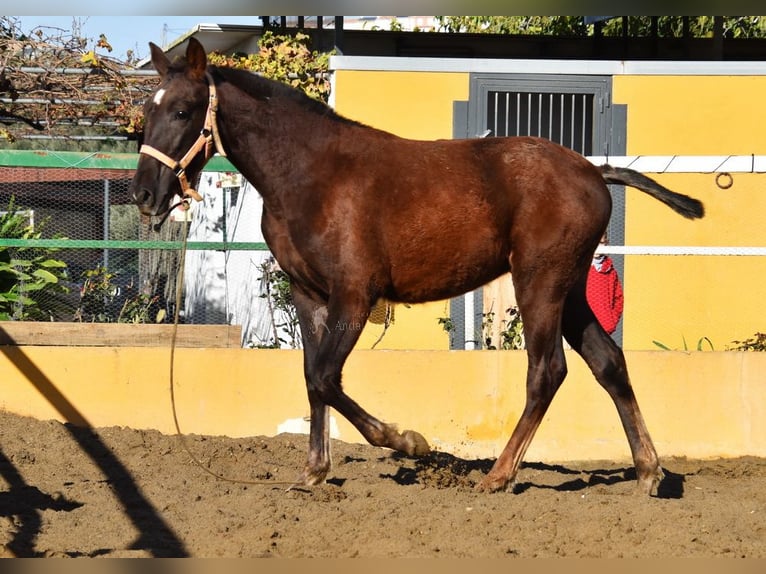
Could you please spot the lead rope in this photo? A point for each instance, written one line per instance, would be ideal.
(174, 334)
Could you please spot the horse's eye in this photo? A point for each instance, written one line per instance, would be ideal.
(182, 115)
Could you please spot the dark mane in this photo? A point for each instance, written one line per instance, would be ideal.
(262, 88)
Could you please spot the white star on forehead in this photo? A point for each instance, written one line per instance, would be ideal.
(158, 96)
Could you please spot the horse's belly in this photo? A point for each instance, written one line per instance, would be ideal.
(433, 280)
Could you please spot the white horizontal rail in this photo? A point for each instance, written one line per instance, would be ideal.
(686, 163)
(678, 250)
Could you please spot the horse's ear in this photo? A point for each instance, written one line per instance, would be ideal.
(196, 59)
(159, 59)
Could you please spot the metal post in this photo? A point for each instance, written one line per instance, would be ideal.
(469, 333)
(339, 34)
(106, 221)
(717, 38)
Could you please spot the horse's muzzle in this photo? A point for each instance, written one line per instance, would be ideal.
(144, 199)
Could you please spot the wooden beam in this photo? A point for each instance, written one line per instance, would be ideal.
(32, 333)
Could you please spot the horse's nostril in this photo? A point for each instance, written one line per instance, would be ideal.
(143, 196)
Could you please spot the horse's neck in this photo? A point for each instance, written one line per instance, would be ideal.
(264, 151)
(266, 147)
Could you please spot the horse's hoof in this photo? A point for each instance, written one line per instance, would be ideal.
(415, 443)
(489, 486)
(310, 477)
(495, 483)
(650, 482)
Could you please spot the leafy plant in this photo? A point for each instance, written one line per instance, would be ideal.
(699, 346)
(98, 291)
(30, 278)
(533, 25)
(137, 309)
(666, 26)
(755, 343)
(99, 302)
(285, 58)
(511, 334)
(448, 325)
(284, 317)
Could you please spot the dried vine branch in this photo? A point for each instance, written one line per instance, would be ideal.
(57, 83)
(54, 82)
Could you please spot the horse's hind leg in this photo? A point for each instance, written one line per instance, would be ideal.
(541, 307)
(331, 331)
(607, 362)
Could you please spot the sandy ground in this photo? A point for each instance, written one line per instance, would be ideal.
(119, 492)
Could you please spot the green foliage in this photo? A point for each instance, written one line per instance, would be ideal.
(396, 25)
(29, 277)
(97, 292)
(534, 25)
(99, 301)
(287, 59)
(755, 343)
(511, 330)
(699, 26)
(447, 324)
(699, 347)
(139, 308)
(511, 335)
(278, 295)
(667, 26)
(449, 327)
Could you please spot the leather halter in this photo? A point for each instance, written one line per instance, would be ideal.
(208, 139)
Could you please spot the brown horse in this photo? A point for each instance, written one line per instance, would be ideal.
(354, 214)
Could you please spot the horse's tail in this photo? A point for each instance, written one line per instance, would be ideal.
(687, 206)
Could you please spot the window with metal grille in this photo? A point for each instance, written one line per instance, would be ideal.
(566, 118)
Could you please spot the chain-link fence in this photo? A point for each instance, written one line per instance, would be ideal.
(73, 247)
(46, 208)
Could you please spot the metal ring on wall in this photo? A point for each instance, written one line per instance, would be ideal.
(724, 180)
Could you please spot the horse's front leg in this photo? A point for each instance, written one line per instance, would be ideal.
(336, 329)
(312, 317)
(319, 457)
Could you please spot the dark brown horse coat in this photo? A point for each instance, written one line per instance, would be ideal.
(354, 214)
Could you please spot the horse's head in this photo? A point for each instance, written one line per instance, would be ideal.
(177, 138)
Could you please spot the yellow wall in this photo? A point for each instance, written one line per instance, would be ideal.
(672, 299)
(693, 115)
(412, 105)
(465, 403)
(675, 298)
